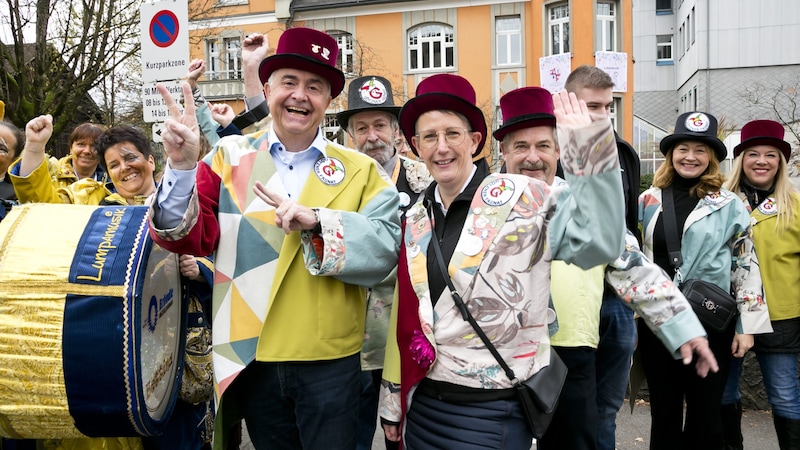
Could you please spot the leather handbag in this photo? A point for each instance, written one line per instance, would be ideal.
(538, 394)
(715, 307)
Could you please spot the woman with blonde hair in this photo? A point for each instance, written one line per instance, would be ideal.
(713, 232)
(760, 178)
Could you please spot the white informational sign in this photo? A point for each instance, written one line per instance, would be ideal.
(158, 128)
(153, 107)
(615, 64)
(554, 70)
(165, 40)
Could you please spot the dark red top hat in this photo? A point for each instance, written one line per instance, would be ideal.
(371, 93)
(443, 92)
(524, 108)
(695, 126)
(763, 132)
(308, 50)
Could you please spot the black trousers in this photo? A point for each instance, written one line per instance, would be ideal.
(574, 424)
(671, 384)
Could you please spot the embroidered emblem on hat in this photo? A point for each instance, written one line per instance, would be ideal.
(330, 171)
(768, 207)
(324, 52)
(498, 192)
(698, 123)
(373, 92)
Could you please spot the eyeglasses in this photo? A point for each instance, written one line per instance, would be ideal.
(429, 139)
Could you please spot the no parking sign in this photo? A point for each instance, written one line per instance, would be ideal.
(165, 40)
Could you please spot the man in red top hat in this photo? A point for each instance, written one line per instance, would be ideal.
(530, 146)
(298, 225)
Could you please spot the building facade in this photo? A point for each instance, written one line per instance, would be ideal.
(736, 59)
(497, 45)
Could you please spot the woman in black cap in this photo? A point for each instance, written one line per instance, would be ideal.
(712, 230)
(760, 176)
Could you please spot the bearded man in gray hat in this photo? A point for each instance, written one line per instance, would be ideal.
(372, 124)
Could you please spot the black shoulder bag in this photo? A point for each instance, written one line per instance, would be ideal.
(539, 393)
(714, 307)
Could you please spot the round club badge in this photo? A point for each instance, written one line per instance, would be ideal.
(373, 92)
(329, 170)
(470, 245)
(405, 199)
(698, 122)
(498, 192)
(768, 207)
(715, 198)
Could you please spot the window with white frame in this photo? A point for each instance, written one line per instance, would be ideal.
(664, 47)
(558, 23)
(431, 46)
(333, 131)
(233, 58)
(345, 61)
(606, 29)
(614, 110)
(224, 62)
(508, 33)
(663, 5)
(213, 62)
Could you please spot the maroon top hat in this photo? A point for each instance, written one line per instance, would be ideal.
(371, 93)
(525, 108)
(308, 50)
(763, 132)
(443, 92)
(695, 126)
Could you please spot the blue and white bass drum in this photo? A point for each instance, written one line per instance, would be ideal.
(91, 323)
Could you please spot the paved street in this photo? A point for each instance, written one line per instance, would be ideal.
(633, 430)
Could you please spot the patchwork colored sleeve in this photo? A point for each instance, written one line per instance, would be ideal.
(747, 285)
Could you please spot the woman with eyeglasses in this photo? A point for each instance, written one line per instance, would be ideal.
(11, 142)
(496, 235)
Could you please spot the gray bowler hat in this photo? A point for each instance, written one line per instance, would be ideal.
(370, 93)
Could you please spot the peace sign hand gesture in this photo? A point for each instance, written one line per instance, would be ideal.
(181, 136)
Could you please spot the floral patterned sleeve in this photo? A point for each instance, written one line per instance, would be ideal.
(390, 407)
(746, 284)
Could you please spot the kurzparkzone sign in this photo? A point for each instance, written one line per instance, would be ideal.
(165, 40)
(165, 53)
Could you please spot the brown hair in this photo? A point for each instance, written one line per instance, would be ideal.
(85, 132)
(710, 181)
(588, 77)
